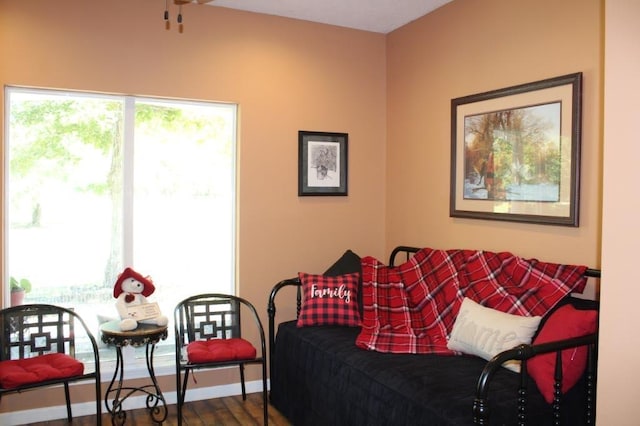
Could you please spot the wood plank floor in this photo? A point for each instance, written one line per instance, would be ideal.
(227, 411)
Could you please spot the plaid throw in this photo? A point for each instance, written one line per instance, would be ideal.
(517, 286)
(389, 324)
(411, 308)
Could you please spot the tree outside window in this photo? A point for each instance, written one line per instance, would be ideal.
(96, 183)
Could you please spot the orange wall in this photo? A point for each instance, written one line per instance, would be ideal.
(286, 75)
(391, 94)
(468, 47)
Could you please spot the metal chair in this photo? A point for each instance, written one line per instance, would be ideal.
(40, 347)
(208, 334)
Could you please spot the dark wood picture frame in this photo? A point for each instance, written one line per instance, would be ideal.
(515, 153)
(322, 163)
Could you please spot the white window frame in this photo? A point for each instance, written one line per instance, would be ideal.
(134, 359)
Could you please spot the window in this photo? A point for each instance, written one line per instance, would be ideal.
(95, 183)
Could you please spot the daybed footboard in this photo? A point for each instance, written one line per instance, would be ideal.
(524, 353)
(481, 406)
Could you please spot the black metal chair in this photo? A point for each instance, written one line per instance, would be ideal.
(40, 345)
(208, 334)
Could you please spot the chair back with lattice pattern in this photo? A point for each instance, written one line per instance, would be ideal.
(32, 330)
(208, 316)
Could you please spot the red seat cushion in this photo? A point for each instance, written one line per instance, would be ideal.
(214, 350)
(19, 372)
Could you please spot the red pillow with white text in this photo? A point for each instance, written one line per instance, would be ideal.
(329, 300)
(566, 322)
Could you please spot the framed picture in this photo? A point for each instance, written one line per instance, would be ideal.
(322, 163)
(515, 153)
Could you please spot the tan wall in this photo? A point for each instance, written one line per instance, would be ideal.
(286, 75)
(618, 391)
(468, 47)
(290, 75)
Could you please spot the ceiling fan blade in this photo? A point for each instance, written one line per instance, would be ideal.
(181, 2)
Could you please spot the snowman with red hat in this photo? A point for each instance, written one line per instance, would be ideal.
(131, 291)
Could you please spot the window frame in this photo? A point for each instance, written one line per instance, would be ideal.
(128, 142)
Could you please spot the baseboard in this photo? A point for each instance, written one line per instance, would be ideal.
(134, 402)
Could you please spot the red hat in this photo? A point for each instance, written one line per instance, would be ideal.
(130, 273)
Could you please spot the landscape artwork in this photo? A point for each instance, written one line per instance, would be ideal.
(513, 154)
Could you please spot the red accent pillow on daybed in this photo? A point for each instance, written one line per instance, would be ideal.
(18, 372)
(566, 322)
(215, 350)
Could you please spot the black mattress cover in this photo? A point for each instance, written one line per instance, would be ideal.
(321, 378)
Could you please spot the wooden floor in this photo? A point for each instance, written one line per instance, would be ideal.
(228, 411)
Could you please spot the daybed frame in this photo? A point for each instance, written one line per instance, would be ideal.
(481, 410)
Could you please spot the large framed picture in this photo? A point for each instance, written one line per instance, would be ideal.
(322, 163)
(515, 153)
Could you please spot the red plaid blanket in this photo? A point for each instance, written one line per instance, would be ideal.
(411, 308)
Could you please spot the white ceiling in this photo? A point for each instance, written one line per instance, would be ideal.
(381, 16)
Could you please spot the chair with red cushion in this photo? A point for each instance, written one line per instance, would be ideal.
(46, 345)
(208, 335)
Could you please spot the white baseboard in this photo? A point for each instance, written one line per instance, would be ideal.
(15, 418)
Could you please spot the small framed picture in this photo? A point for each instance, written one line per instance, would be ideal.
(322, 163)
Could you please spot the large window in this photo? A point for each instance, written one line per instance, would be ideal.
(95, 183)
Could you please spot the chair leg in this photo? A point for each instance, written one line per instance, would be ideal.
(265, 404)
(68, 399)
(244, 391)
(98, 401)
(178, 403)
(181, 391)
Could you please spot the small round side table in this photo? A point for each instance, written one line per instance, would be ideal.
(144, 335)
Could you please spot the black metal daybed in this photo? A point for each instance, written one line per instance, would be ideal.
(319, 376)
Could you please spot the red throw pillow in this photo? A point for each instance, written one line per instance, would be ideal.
(564, 323)
(212, 350)
(329, 300)
(18, 372)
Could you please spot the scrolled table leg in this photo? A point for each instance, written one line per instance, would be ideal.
(158, 412)
(117, 374)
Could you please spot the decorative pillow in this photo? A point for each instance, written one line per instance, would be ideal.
(329, 300)
(486, 332)
(348, 263)
(564, 323)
